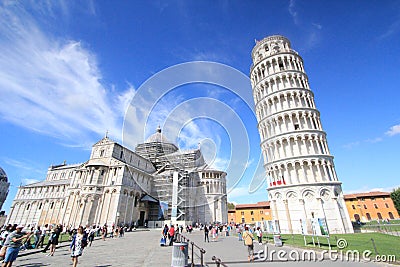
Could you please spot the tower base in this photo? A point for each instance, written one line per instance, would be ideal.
(297, 206)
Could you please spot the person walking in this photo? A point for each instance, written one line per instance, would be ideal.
(165, 232)
(36, 234)
(91, 235)
(239, 232)
(104, 232)
(15, 240)
(54, 240)
(77, 245)
(248, 241)
(259, 235)
(206, 231)
(50, 231)
(171, 234)
(214, 234)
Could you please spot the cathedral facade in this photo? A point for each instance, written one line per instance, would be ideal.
(154, 184)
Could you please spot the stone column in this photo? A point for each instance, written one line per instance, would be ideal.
(288, 216)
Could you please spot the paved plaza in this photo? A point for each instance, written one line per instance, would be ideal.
(141, 248)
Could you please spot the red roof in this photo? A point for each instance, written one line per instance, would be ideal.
(367, 195)
(258, 205)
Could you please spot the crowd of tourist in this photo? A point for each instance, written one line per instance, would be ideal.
(14, 238)
(244, 232)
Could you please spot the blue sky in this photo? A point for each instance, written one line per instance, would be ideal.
(71, 70)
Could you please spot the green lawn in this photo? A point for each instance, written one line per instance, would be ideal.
(61, 239)
(385, 244)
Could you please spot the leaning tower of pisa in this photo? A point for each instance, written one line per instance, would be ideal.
(301, 177)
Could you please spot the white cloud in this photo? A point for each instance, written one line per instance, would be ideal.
(394, 130)
(26, 181)
(50, 85)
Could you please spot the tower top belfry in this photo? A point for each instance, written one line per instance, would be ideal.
(270, 46)
(301, 177)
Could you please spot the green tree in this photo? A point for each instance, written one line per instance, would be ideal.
(231, 206)
(395, 195)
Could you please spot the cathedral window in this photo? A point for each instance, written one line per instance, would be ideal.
(102, 153)
(102, 172)
(386, 205)
(40, 206)
(297, 126)
(376, 206)
(27, 207)
(121, 155)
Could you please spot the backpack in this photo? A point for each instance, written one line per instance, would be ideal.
(248, 239)
(84, 241)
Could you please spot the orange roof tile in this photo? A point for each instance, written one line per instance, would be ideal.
(261, 204)
(367, 194)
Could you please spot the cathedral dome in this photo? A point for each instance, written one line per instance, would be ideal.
(3, 175)
(157, 137)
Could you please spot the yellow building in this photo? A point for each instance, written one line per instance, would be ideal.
(369, 206)
(251, 213)
(361, 206)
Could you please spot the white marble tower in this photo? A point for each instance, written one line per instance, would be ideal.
(302, 181)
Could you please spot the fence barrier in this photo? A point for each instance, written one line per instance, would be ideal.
(193, 246)
(218, 262)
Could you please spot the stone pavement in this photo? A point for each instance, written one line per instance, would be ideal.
(141, 248)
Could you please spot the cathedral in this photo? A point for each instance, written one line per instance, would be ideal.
(155, 184)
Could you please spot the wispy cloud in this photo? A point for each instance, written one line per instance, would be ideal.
(293, 12)
(24, 165)
(393, 29)
(366, 141)
(394, 130)
(312, 30)
(58, 89)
